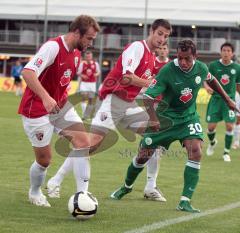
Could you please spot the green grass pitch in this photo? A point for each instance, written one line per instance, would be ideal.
(218, 186)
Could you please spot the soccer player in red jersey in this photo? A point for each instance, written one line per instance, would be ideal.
(44, 106)
(88, 73)
(117, 105)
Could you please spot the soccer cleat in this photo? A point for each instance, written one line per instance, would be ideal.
(53, 189)
(210, 149)
(235, 145)
(186, 206)
(154, 195)
(38, 200)
(119, 193)
(226, 158)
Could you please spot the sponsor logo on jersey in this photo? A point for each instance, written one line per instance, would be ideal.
(233, 71)
(147, 74)
(225, 79)
(66, 78)
(186, 95)
(38, 62)
(89, 72)
(153, 83)
(76, 61)
(39, 136)
(198, 80)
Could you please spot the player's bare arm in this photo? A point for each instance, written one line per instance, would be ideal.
(153, 119)
(132, 79)
(33, 83)
(215, 85)
(208, 89)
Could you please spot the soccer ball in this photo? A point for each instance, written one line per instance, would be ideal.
(82, 205)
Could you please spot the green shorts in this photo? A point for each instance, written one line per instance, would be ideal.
(218, 110)
(178, 131)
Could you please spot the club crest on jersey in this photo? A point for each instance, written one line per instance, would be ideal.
(225, 79)
(76, 61)
(39, 136)
(38, 62)
(198, 80)
(89, 72)
(66, 78)
(233, 71)
(186, 95)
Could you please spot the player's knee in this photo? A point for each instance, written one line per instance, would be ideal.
(81, 141)
(195, 153)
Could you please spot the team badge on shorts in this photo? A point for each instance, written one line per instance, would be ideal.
(39, 136)
(103, 116)
(148, 141)
(186, 95)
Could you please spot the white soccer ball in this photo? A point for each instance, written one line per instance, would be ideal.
(82, 205)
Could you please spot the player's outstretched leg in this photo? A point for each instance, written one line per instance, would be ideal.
(133, 171)
(151, 191)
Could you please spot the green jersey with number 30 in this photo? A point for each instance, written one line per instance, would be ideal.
(227, 76)
(179, 89)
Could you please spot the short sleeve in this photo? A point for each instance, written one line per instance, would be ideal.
(44, 57)
(132, 56)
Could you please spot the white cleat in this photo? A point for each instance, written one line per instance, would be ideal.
(210, 149)
(226, 158)
(39, 200)
(235, 145)
(53, 189)
(154, 195)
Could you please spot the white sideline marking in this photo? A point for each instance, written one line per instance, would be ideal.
(168, 222)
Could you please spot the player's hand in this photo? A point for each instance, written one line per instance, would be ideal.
(232, 105)
(154, 125)
(209, 90)
(51, 105)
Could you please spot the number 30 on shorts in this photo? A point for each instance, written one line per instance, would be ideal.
(195, 128)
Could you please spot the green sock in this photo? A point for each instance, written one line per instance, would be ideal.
(191, 177)
(211, 136)
(132, 174)
(228, 142)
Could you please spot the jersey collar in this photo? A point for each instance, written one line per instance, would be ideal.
(176, 64)
(220, 60)
(64, 43)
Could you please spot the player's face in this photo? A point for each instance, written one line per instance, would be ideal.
(88, 57)
(226, 54)
(86, 40)
(158, 37)
(162, 51)
(185, 59)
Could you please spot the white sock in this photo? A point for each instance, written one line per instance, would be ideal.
(84, 106)
(66, 167)
(37, 177)
(236, 133)
(152, 170)
(81, 168)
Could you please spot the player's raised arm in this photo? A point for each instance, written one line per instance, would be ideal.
(215, 85)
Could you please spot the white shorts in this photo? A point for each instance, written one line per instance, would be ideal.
(40, 130)
(88, 87)
(113, 111)
(237, 99)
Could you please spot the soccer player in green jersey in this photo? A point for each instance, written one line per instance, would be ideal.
(228, 74)
(175, 118)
